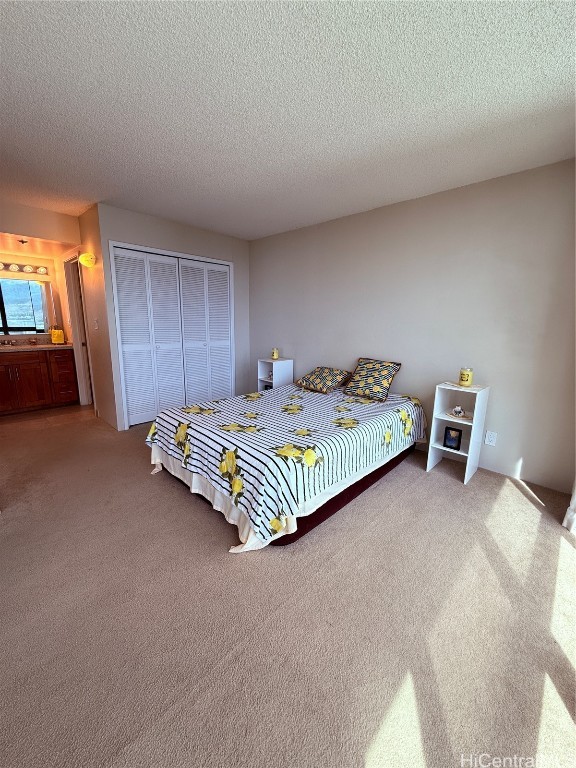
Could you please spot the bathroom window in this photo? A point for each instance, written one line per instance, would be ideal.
(22, 306)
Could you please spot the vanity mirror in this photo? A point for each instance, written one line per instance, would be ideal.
(26, 306)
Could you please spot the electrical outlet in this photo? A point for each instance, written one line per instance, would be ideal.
(491, 438)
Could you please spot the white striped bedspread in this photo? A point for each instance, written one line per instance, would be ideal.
(272, 452)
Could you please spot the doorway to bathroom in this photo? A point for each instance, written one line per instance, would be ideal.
(75, 295)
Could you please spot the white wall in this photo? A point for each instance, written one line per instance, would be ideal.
(97, 329)
(25, 220)
(481, 276)
(106, 223)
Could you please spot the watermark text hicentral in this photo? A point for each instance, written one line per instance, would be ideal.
(486, 760)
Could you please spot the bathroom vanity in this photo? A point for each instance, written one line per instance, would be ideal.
(37, 377)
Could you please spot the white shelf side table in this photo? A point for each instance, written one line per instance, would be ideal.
(275, 373)
(474, 400)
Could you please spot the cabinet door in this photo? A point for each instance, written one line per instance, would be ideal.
(194, 331)
(63, 376)
(135, 335)
(166, 330)
(32, 384)
(8, 396)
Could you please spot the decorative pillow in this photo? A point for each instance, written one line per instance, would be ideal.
(372, 378)
(323, 379)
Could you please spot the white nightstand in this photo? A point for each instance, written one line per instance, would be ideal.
(474, 400)
(275, 373)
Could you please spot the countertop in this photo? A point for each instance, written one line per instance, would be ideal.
(33, 347)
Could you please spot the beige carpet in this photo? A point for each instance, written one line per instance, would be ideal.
(425, 621)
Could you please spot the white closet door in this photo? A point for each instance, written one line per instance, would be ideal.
(174, 331)
(194, 331)
(218, 302)
(166, 330)
(135, 336)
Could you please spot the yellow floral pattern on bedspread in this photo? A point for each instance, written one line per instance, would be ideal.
(307, 455)
(229, 469)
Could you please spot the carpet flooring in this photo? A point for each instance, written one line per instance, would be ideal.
(425, 625)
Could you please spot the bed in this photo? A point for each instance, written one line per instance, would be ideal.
(267, 459)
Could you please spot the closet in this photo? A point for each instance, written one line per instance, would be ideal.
(173, 318)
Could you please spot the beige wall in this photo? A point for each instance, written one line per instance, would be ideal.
(116, 224)
(480, 276)
(96, 312)
(37, 222)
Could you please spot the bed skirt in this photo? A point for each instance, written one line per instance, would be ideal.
(234, 515)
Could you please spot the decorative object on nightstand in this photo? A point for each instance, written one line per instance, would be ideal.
(274, 372)
(452, 438)
(472, 401)
(466, 377)
(275, 354)
(459, 412)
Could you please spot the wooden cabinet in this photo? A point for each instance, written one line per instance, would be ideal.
(63, 376)
(32, 380)
(37, 379)
(24, 381)
(8, 395)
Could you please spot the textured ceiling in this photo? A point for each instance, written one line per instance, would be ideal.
(256, 118)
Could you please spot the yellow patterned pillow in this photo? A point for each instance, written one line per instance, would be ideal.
(323, 379)
(372, 378)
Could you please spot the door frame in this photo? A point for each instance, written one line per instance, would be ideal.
(116, 341)
(75, 293)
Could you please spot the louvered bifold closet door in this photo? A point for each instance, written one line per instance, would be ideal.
(219, 351)
(135, 335)
(194, 331)
(166, 330)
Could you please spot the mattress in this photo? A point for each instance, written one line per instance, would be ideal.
(267, 458)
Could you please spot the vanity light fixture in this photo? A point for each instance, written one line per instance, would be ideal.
(29, 269)
(87, 260)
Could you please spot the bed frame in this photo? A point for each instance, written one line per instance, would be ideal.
(309, 522)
